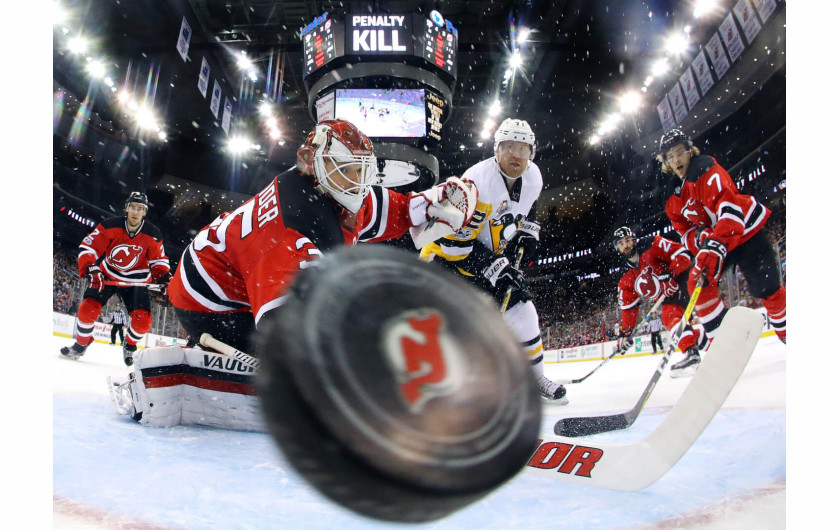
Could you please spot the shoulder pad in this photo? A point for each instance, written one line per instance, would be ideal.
(307, 211)
(698, 167)
(113, 222)
(152, 230)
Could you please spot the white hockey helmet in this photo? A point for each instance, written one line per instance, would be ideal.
(515, 130)
(343, 145)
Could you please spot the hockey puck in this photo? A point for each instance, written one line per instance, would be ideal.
(394, 387)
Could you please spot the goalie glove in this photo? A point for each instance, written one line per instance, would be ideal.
(94, 276)
(708, 264)
(441, 210)
(502, 275)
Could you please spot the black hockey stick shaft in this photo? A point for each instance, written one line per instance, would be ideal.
(617, 351)
(588, 425)
(519, 252)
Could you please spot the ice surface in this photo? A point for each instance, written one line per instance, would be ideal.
(109, 471)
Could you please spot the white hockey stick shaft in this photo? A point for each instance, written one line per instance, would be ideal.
(150, 286)
(208, 340)
(634, 466)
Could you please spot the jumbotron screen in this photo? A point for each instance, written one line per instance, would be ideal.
(384, 113)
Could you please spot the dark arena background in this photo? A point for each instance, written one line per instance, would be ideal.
(199, 103)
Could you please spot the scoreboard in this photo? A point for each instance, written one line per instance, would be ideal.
(391, 37)
(319, 46)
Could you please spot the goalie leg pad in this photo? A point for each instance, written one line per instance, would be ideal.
(185, 386)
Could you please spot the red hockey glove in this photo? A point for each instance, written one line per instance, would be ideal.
(701, 235)
(669, 285)
(709, 259)
(94, 277)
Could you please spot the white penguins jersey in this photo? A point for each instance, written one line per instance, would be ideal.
(497, 214)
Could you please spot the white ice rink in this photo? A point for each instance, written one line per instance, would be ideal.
(110, 472)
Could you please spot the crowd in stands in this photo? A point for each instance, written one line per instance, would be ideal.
(588, 315)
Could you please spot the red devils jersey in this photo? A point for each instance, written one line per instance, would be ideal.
(245, 259)
(664, 257)
(708, 198)
(125, 258)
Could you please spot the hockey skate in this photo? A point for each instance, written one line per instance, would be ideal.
(687, 366)
(120, 392)
(128, 353)
(73, 352)
(552, 392)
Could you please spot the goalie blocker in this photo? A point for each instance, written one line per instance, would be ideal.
(395, 389)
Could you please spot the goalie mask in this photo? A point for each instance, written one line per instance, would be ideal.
(340, 157)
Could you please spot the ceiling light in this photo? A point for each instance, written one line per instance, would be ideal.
(630, 102)
(77, 44)
(265, 108)
(238, 145)
(162, 135)
(145, 118)
(244, 62)
(59, 14)
(96, 69)
(676, 44)
(594, 139)
(659, 67)
(495, 108)
(523, 35)
(704, 7)
(515, 60)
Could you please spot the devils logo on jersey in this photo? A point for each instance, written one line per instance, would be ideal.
(124, 257)
(423, 356)
(647, 284)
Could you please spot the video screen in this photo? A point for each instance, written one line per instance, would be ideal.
(383, 112)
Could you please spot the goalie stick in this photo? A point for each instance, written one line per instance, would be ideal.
(208, 340)
(637, 465)
(613, 354)
(587, 425)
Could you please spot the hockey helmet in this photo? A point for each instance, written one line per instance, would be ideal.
(138, 197)
(515, 130)
(620, 233)
(343, 145)
(672, 138)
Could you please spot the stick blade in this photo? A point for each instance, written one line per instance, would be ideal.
(635, 466)
(589, 425)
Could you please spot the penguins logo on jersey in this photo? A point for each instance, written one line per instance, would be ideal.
(423, 356)
(124, 257)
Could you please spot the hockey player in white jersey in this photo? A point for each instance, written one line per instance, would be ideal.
(484, 251)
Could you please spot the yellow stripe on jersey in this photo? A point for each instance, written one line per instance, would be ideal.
(460, 247)
(536, 351)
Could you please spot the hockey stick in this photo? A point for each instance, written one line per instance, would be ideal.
(637, 465)
(149, 286)
(519, 252)
(617, 351)
(208, 340)
(587, 425)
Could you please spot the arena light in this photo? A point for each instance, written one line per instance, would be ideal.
(146, 119)
(704, 7)
(515, 60)
(243, 62)
(594, 139)
(660, 67)
(488, 124)
(123, 97)
(96, 69)
(523, 35)
(162, 136)
(59, 14)
(77, 44)
(495, 108)
(609, 124)
(265, 108)
(630, 102)
(485, 133)
(238, 145)
(676, 43)
(274, 134)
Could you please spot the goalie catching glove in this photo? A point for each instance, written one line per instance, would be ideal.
(442, 210)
